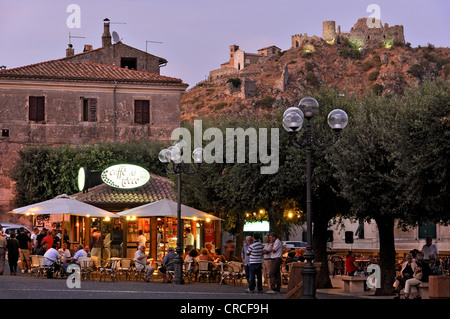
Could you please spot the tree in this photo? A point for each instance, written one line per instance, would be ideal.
(43, 172)
(392, 164)
(366, 168)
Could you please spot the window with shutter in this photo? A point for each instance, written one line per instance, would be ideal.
(89, 110)
(142, 111)
(36, 110)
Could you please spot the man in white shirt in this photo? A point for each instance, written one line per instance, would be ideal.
(51, 257)
(141, 240)
(34, 239)
(429, 250)
(79, 253)
(267, 260)
(276, 256)
(140, 259)
(189, 240)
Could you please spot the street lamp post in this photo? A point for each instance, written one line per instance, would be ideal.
(172, 158)
(292, 122)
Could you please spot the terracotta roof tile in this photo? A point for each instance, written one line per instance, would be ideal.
(86, 72)
(103, 195)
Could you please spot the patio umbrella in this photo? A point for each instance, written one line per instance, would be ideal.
(166, 207)
(63, 204)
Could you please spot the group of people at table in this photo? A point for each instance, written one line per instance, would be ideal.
(415, 269)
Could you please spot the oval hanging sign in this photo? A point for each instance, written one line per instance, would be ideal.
(125, 176)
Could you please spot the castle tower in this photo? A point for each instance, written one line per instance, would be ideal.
(329, 30)
(233, 49)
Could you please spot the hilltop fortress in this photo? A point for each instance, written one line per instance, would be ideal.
(366, 33)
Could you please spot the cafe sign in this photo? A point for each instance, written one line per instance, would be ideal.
(125, 176)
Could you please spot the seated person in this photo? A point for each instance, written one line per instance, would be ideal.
(65, 253)
(421, 274)
(79, 253)
(406, 273)
(191, 259)
(140, 260)
(168, 264)
(41, 250)
(51, 259)
(290, 259)
(218, 257)
(205, 255)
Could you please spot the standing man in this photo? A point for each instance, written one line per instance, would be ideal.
(429, 250)
(2, 252)
(141, 240)
(33, 237)
(25, 247)
(245, 257)
(276, 255)
(48, 239)
(255, 251)
(267, 251)
(189, 240)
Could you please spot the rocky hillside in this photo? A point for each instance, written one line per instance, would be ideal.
(281, 80)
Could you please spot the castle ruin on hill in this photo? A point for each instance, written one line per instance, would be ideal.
(366, 32)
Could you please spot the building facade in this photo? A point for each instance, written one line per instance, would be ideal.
(89, 97)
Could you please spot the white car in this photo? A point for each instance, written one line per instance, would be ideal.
(8, 229)
(291, 244)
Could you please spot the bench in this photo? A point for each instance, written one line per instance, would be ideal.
(421, 290)
(354, 283)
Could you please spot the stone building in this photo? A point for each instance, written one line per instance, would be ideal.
(94, 96)
(366, 32)
(240, 59)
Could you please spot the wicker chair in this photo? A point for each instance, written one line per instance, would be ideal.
(109, 269)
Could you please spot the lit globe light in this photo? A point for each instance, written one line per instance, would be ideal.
(175, 154)
(293, 122)
(163, 156)
(309, 106)
(293, 109)
(197, 155)
(337, 119)
(181, 144)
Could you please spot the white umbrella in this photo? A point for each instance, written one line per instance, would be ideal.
(63, 204)
(167, 207)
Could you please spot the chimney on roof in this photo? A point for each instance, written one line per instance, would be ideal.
(70, 50)
(87, 47)
(106, 37)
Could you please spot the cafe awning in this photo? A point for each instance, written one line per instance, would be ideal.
(63, 204)
(167, 208)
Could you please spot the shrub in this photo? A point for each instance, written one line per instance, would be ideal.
(447, 70)
(235, 81)
(220, 106)
(309, 66)
(373, 75)
(416, 70)
(312, 79)
(368, 65)
(377, 89)
(265, 102)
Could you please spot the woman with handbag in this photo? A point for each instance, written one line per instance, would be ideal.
(406, 273)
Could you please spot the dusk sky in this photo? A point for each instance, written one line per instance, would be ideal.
(196, 34)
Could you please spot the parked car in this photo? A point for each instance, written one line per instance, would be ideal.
(8, 229)
(290, 244)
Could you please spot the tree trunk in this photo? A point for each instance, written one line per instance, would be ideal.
(387, 255)
(320, 250)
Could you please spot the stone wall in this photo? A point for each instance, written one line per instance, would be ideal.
(63, 119)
